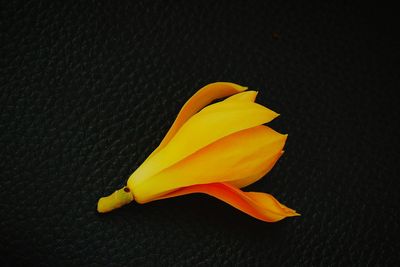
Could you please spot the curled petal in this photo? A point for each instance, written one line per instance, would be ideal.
(242, 155)
(199, 100)
(262, 206)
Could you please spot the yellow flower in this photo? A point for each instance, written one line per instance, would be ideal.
(214, 149)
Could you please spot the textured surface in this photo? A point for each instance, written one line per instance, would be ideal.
(88, 90)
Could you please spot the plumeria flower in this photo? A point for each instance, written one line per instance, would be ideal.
(213, 149)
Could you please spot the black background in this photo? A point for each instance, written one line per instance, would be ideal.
(88, 90)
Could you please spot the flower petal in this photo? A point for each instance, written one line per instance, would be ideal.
(269, 164)
(243, 96)
(199, 100)
(238, 156)
(262, 206)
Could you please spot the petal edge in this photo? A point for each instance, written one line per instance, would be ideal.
(261, 206)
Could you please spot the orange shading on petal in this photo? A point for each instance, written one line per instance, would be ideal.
(252, 178)
(262, 206)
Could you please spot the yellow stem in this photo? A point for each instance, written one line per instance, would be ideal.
(116, 200)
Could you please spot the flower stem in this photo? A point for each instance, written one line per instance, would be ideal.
(116, 200)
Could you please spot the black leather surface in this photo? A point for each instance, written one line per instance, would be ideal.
(89, 89)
